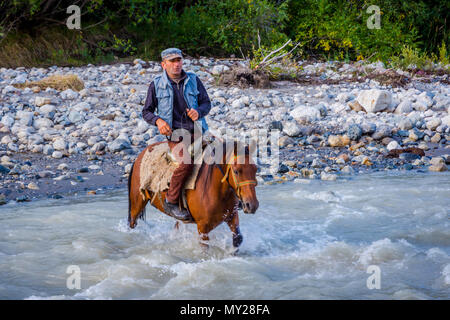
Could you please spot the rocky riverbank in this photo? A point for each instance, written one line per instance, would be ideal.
(56, 142)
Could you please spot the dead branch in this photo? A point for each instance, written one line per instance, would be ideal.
(273, 52)
(279, 57)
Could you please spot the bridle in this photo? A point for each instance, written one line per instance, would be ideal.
(237, 184)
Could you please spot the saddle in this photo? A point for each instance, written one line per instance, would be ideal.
(157, 167)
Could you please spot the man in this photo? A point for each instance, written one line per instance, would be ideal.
(180, 99)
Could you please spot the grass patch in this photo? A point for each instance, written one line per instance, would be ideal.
(58, 82)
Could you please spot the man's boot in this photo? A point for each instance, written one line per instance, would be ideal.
(173, 210)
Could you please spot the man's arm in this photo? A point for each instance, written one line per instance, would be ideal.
(204, 104)
(150, 105)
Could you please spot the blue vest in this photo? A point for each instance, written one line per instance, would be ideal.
(164, 94)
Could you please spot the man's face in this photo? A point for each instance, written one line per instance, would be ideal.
(173, 67)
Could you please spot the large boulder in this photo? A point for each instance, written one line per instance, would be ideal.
(374, 100)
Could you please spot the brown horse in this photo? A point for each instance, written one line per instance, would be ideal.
(218, 190)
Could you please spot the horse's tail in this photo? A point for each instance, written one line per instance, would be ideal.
(129, 193)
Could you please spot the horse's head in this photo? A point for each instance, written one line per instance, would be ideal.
(241, 174)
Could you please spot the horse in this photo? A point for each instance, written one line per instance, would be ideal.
(220, 190)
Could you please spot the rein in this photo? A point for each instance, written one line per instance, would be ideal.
(238, 185)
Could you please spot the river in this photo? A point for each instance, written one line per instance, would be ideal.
(372, 236)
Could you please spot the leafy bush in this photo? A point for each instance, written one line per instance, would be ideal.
(338, 29)
(237, 23)
(328, 29)
(411, 58)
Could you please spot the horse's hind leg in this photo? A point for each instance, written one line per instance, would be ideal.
(136, 210)
(233, 224)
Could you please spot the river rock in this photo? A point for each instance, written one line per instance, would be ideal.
(437, 160)
(74, 116)
(40, 101)
(3, 199)
(347, 170)
(32, 186)
(338, 141)
(368, 127)
(4, 170)
(307, 113)
(57, 154)
(5, 140)
(63, 166)
(354, 132)
(407, 156)
(284, 141)
(218, 69)
(276, 125)
(42, 123)
(405, 124)
(291, 128)
(436, 138)
(25, 118)
(381, 132)
(60, 144)
(393, 145)
(404, 107)
(438, 167)
(415, 134)
(446, 121)
(374, 100)
(7, 121)
(47, 109)
(48, 150)
(433, 123)
(82, 106)
(355, 106)
(327, 176)
(118, 145)
(69, 94)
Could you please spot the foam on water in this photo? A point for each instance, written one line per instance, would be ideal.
(311, 240)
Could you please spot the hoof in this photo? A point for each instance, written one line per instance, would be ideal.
(237, 240)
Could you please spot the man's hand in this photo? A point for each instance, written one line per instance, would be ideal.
(193, 114)
(163, 127)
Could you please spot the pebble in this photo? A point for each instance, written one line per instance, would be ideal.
(338, 141)
(57, 154)
(327, 176)
(32, 186)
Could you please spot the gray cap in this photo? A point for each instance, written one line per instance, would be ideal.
(171, 53)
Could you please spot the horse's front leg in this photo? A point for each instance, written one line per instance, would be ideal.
(203, 232)
(233, 224)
